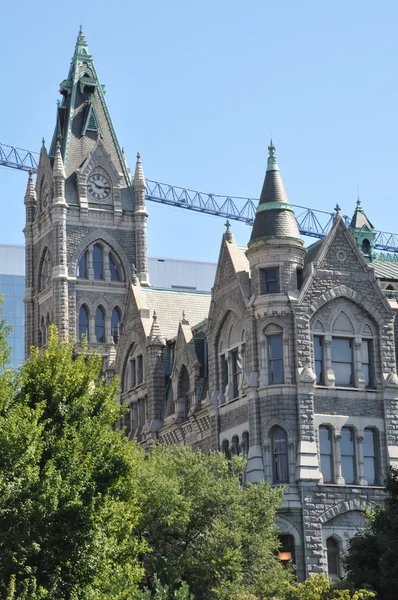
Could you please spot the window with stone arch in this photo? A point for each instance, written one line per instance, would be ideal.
(45, 270)
(99, 324)
(338, 349)
(184, 393)
(280, 455)
(99, 262)
(231, 363)
(115, 324)
(333, 557)
(83, 322)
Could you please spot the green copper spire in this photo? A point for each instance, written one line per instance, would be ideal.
(81, 48)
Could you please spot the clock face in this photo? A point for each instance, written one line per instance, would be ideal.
(99, 186)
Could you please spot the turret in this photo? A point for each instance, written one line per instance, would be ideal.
(275, 251)
(60, 271)
(363, 233)
(156, 377)
(30, 208)
(140, 224)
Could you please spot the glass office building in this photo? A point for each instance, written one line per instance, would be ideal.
(12, 287)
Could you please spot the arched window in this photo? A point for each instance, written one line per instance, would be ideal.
(83, 322)
(245, 444)
(347, 449)
(43, 332)
(280, 462)
(370, 445)
(235, 450)
(184, 392)
(115, 325)
(98, 262)
(114, 269)
(225, 448)
(326, 452)
(332, 549)
(366, 246)
(46, 271)
(342, 351)
(274, 351)
(100, 325)
(82, 267)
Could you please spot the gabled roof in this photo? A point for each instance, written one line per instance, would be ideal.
(170, 304)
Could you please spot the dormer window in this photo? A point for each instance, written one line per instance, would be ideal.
(269, 281)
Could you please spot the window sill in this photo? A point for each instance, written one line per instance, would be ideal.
(346, 388)
(352, 485)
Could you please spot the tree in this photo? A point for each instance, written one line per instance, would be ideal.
(204, 528)
(371, 557)
(68, 491)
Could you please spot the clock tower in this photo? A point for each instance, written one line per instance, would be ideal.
(86, 219)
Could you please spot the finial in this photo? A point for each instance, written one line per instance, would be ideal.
(358, 202)
(43, 142)
(228, 233)
(271, 149)
(337, 209)
(30, 173)
(184, 319)
(138, 157)
(139, 177)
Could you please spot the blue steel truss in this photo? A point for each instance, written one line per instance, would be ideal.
(311, 223)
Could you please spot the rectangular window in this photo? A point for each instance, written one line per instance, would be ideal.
(325, 445)
(82, 267)
(140, 371)
(366, 357)
(275, 359)
(347, 447)
(318, 354)
(342, 361)
(269, 281)
(369, 456)
(133, 379)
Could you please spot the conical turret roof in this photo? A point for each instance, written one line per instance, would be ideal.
(274, 216)
(359, 218)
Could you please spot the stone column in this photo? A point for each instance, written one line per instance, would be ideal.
(361, 465)
(359, 379)
(337, 460)
(90, 267)
(329, 374)
(91, 329)
(107, 271)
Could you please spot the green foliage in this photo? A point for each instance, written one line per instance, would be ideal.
(205, 528)
(371, 556)
(319, 587)
(68, 491)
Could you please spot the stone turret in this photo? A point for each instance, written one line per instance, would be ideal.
(30, 207)
(156, 376)
(275, 243)
(59, 209)
(363, 233)
(140, 224)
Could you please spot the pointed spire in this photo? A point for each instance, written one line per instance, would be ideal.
(81, 44)
(139, 177)
(359, 218)
(30, 195)
(274, 216)
(155, 333)
(58, 168)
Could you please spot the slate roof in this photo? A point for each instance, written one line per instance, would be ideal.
(169, 305)
(359, 219)
(385, 269)
(313, 251)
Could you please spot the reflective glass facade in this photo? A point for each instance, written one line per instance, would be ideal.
(12, 287)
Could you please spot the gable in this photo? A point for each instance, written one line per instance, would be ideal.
(226, 273)
(341, 254)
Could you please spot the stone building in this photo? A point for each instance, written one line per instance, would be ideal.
(291, 361)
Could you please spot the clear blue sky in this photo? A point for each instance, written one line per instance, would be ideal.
(198, 87)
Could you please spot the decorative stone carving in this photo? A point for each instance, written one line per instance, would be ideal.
(307, 375)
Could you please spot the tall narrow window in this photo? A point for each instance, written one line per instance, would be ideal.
(235, 450)
(225, 449)
(100, 325)
(280, 456)
(132, 373)
(235, 368)
(98, 262)
(245, 444)
(332, 549)
(286, 550)
(318, 353)
(366, 352)
(115, 325)
(325, 443)
(83, 322)
(269, 281)
(140, 369)
(224, 373)
(369, 456)
(347, 447)
(82, 267)
(342, 361)
(115, 275)
(275, 359)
